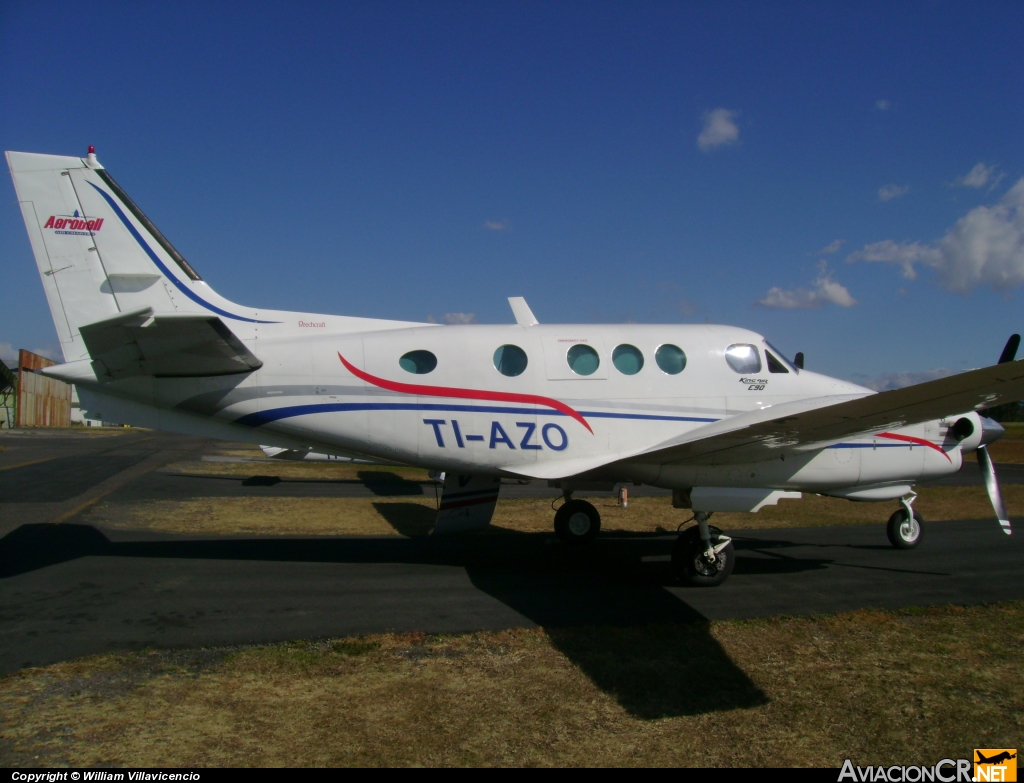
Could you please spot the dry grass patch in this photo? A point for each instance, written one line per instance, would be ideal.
(880, 687)
(285, 469)
(270, 516)
(414, 515)
(1007, 450)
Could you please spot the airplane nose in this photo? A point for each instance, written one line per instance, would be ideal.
(991, 430)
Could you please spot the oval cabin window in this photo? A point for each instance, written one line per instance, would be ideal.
(510, 360)
(628, 359)
(418, 362)
(670, 359)
(583, 360)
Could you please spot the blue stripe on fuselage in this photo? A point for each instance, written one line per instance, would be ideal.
(167, 272)
(265, 417)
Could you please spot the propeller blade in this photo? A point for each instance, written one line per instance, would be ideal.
(988, 470)
(1010, 351)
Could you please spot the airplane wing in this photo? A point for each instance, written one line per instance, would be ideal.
(810, 424)
(806, 425)
(166, 346)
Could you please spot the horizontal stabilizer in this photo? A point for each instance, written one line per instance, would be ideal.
(166, 346)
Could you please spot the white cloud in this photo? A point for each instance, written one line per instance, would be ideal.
(985, 247)
(719, 129)
(883, 105)
(980, 176)
(832, 247)
(824, 291)
(453, 318)
(897, 380)
(9, 354)
(497, 225)
(891, 191)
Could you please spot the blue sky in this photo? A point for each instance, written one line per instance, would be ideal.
(652, 162)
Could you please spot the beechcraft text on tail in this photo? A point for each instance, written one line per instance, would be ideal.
(714, 413)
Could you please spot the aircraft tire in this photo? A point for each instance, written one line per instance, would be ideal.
(689, 564)
(902, 535)
(577, 522)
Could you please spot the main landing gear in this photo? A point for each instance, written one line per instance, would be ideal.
(904, 526)
(703, 556)
(577, 521)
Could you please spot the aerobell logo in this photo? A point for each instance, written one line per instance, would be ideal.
(75, 224)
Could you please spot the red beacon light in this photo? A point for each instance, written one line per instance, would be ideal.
(90, 159)
(92, 150)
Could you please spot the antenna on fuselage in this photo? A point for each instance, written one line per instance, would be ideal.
(524, 315)
(798, 360)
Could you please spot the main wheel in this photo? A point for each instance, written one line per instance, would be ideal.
(577, 522)
(903, 532)
(692, 567)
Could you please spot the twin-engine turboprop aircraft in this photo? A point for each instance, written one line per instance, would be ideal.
(714, 413)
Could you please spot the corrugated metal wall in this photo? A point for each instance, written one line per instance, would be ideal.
(42, 401)
(8, 395)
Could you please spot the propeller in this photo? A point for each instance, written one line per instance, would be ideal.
(992, 431)
(988, 470)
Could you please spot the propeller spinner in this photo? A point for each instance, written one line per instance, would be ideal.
(991, 431)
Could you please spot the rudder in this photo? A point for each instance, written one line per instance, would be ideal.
(97, 253)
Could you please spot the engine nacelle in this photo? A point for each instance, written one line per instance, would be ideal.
(972, 430)
(963, 430)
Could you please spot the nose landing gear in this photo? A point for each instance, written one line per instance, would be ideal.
(904, 527)
(703, 556)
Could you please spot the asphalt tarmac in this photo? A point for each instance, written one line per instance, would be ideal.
(68, 589)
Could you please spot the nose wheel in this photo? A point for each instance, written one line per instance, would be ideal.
(904, 528)
(703, 556)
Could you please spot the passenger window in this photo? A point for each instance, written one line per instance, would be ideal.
(743, 358)
(627, 359)
(510, 360)
(583, 360)
(418, 362)
(774, 365)
(670, 359)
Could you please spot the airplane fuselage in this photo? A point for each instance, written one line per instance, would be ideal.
(333, 389)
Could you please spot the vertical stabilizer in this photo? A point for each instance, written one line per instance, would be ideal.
(98, 254)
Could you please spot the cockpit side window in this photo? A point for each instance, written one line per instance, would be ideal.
(774, 365)
(743, 358)
(777, 361)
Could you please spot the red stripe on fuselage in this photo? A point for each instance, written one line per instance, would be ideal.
(911, 439)
(464, 394)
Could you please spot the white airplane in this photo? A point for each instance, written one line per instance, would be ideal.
(715, 413)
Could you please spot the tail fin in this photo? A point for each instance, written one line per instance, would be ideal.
(98, 254)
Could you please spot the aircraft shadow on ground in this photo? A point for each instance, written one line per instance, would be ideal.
(605, 608)
(409, 519)
(384, 482)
